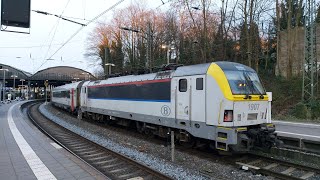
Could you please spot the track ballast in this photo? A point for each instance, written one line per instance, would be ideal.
(112, 164)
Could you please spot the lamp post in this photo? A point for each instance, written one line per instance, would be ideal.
(4, 83)
(46, 83)
(109, 69)
(14, 86)
(166, 47)
(22, 80)
(132, 41)
(204, 33)
(170, 49)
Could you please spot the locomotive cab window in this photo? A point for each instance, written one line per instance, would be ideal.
(183, 85)
(244, 82)
(199, 84)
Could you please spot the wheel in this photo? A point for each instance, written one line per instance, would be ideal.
(148, 133)
(189, 144)
(139, 126)
(101, 118)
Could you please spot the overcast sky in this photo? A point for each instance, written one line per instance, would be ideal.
(29, 51)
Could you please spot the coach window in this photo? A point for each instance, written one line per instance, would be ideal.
(199, 83)
(183, 86)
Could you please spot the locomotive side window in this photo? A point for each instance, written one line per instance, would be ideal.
(199, 84)
(183, 85)
(153, 91)
(61, 94)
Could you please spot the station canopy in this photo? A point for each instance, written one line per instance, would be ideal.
(10, 71)
(59, 73)
(62, 73)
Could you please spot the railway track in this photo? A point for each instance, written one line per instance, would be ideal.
(257, 164)
(113, 165)
(277, 168)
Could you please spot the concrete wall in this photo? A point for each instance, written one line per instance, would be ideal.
(298, 52)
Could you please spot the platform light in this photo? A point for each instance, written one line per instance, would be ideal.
(14, 85)
(4, 82)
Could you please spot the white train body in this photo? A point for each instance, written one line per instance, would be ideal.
(66, 96)
(222, 102)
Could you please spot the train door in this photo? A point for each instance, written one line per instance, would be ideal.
(84, 96)
(183, 98)
(78, 92)
(198, 98)
(72, 99)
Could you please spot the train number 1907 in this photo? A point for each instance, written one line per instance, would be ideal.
(253, 107)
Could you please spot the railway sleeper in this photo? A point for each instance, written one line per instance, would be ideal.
(119, 170)
(307, 175)
(92, 155)
(99, 158)
(112, 165)
(77, 145)
(130, 175)
(89, 150)
(74, 143)
(87, 153)
(148, 177)
(106, 161)
(65, 137)
(77, 148)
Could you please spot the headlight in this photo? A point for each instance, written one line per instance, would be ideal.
(228, 116)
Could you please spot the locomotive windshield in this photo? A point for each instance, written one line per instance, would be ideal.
(244, 83)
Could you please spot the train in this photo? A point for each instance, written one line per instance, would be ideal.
(220, 104)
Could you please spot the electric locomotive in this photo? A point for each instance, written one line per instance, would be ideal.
(222, 104)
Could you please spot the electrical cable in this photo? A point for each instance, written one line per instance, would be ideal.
(73, 35)
(58, 21)
(28, 47)
(163, 3)
(84, 9)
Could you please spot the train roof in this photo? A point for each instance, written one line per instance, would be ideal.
(66, 86)
(198, 69)
(233, 66)
(133, 78)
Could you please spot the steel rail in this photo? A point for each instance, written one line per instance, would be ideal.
(132, 163)
(28, 105)
(285, 174)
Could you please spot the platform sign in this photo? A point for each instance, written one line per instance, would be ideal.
(15, 13)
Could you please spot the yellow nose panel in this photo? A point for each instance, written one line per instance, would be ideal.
(217, 73)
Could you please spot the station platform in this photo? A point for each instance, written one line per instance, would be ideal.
(305, 131)
(26, 153)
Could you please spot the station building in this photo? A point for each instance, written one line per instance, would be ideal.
(21, 84)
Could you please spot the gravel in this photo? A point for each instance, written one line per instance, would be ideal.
(143, 150)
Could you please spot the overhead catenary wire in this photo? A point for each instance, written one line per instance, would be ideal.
(56, 29)
(163, 3)
(84, 9)
(160, 5)
(74, 34)
(58, 16)
(35, 46)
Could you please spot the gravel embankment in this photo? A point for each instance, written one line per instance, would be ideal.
(154, 155)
